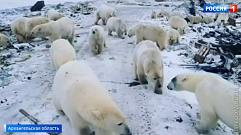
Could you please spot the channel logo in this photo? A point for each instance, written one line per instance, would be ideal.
(220, 8)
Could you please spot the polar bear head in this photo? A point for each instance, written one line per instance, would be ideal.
(122, 26)
(40, 31)
(96, 31)
(113, 14)
(186, 81)
(111, 120)
(132, 32)
(154, 74)
(4, 41)
(60, 15)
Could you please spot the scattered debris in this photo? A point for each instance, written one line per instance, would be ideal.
(37, 6)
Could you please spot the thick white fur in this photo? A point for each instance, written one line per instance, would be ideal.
(117, 25)
(104, 13)
(208, 20)
(61, 51)
(54, 15)
(4, 41)
(62, 28)
(96, 39)
(195, 19)
(150, 32)
(21, 27)
(178, 24)
(85, 101)
(173, 37)
(147, 61)
(215, 96)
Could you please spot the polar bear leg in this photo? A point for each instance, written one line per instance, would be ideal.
(208, 120)
(109, 32)
(138, 38)
(57, 107)
(97, 18)
(79, 125)
(20, 38)
(100, 48)
(134, 68)
(141, 76)
(71, 39)
(103, 21)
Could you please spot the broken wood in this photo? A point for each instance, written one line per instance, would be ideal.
(201, 54)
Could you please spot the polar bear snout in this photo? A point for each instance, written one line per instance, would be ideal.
(127, 131)
(171, 85)
(93, 32)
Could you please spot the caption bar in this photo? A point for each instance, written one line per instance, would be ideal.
(220, 8)
(12, 128)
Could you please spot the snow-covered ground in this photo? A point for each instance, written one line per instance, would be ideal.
(30, 83)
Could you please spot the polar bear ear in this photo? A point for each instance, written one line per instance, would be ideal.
(39, 29)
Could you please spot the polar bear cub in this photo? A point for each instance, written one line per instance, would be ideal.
(205, 86)
(78, 93)
(148, 65)
(173, 37)
(54, 15)
(21, 27)
(61, 51)
(178, 24)
(96, 39)
(4, 41)
(62, 28)
(150, 32)
(115, 24)
(104, 13)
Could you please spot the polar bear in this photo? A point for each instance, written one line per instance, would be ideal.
(178, 24)
(153, 14)
(148, 65)
(207, 20)
(4, 41)
(150, 32)
(194, 19)
(104, 13)
(96, 39)
(168, 15)
(21, 27)
(62, 28)
(54, 15)
(221, 106)
(61, 51)
(75, 83)
(173, 37)
(222, 17)
(115, 24)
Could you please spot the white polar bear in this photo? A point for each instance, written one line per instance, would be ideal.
(62, 28)
(115, 24)
(96, 39)
(215, 97)
(148, 65)
(54, 15)
(61, 51)
(4, 41)
(168, 15)
(21, 27)
(78, 93)
(194, 19)
(178, 24)
(104, 13)
(207, 20)
(173, 37)
(222, 17)
(153, 14)
(150, 32)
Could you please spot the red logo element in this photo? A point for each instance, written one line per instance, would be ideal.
(233, 8)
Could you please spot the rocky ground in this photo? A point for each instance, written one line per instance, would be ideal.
(27, 77)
